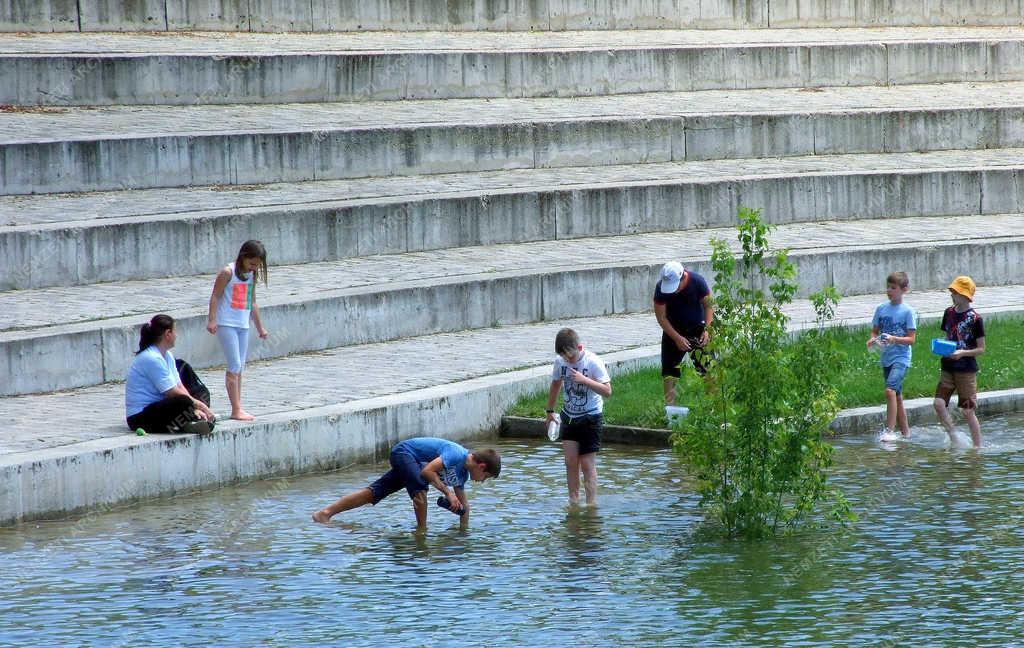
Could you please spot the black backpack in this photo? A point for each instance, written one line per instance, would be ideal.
(191, 381)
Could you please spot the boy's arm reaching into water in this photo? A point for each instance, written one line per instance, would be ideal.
(461, 494)
(431, 474)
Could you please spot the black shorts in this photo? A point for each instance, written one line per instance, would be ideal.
(671, 355)
(584, 430)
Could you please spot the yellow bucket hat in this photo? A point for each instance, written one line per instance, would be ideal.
(963, 285)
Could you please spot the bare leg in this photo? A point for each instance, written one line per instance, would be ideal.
(588, 463)
(669, 387)
(571, 449)
(901, 416)
(974, 426)
(943, 413)
(352, 500)
(890, 409)
(233, 383)
(419, 508)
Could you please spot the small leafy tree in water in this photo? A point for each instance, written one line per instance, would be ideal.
(754, 436)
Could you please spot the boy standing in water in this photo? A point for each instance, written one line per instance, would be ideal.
(894, 328)
(586, 383)
(963, 325)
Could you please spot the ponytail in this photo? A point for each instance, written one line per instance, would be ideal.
(153, 330)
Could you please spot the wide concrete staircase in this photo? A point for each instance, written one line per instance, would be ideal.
(438, 199)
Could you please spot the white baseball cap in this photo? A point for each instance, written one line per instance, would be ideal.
(671, 275)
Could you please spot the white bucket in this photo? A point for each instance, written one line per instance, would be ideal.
(675, 414)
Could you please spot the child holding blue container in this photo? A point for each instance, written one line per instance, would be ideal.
(894, 330)
(964, 328)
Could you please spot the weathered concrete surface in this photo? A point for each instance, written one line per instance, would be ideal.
(320, 306)
(67, 69)
(54, 240)
(513, 15)
(308, 381)
(143, 147)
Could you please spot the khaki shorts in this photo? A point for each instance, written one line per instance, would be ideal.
(965, 385)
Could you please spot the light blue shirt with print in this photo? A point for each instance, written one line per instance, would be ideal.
(899, 320)
(150, 375)
(453, 456)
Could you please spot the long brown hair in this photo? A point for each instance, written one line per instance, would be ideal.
(252, 250)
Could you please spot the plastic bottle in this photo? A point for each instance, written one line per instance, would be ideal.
(442, 501)
(553, 427)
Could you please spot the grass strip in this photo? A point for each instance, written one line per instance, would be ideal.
(637, 397)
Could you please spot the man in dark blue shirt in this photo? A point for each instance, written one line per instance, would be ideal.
(683, 307)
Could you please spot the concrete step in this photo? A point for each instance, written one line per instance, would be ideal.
(53, 239)
(189, 69)
(499, 15)
(64, 451)
(58, 338)
(79, 149)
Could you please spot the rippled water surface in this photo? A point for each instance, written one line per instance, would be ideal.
(936, 559)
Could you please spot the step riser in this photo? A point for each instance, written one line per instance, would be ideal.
(189, 80)
(500, 15)
(292, 157)
(50, 257)
(103, 354)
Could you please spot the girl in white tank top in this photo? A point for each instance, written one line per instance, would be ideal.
(232, 304)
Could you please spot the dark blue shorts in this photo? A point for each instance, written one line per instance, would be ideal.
(404, 473)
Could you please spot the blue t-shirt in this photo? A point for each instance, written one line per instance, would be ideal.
(453, 456)
(895, 319)
(150, 375)
(684, 310)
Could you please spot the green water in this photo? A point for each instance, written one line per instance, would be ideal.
(935, 560)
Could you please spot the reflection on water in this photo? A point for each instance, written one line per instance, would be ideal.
(934, 559)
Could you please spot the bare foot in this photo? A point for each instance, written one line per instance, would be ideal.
(322, 517)
(242, 415)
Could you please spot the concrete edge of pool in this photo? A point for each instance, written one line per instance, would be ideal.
(101, 474)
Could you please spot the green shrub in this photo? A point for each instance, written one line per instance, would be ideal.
(754, 438)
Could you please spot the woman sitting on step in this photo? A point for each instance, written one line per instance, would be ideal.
(154, 398)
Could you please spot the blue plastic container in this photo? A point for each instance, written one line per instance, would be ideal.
(943, 347)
